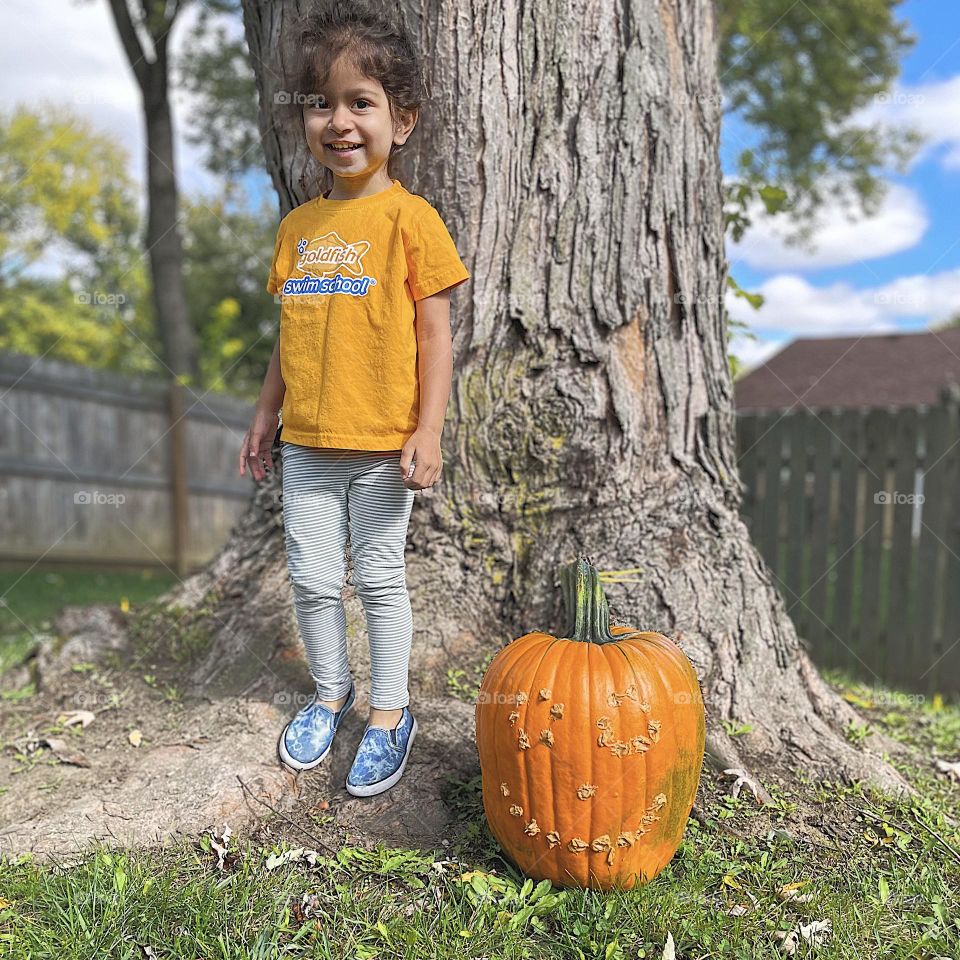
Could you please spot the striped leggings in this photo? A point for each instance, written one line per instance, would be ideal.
(323, 489)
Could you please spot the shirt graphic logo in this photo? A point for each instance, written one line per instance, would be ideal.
(330, 265)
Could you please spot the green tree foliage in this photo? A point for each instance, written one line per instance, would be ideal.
(227, 252)
(797, 74)
(794, 73)
(73, 277)
(951, 323)
(72, 281)
(215, 69)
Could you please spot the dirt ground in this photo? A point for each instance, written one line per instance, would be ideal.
(201, 764)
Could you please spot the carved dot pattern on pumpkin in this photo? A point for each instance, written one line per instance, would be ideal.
(638, 744)
(630, 693)
(607, 737)
(626, 838)
(603, 843)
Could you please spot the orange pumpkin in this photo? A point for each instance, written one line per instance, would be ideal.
(591, 746)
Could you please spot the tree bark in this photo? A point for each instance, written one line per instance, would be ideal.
(592, 404)
(164, 244)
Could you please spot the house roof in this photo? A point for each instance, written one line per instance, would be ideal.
(889, 370)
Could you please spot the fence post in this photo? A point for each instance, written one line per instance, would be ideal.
(949, 668)
(178, 477)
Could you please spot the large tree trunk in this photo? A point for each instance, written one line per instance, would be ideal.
(592, 402)
(151, 69)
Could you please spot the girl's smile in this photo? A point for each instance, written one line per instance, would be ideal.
(340, 149)
(351, 130)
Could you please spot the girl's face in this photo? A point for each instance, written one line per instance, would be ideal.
(352, 109)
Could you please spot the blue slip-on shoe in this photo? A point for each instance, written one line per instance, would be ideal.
(381, 757)
(307, 738)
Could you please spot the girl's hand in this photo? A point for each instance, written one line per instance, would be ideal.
(258, 444)
(422, 450)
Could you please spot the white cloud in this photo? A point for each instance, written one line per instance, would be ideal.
(795, 306)
(932, 108)
(898, 225)
(70, 54)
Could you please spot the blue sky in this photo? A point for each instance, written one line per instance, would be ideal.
(899, 270)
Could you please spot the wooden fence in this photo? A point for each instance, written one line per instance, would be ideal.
(857, 512)
(97, 467)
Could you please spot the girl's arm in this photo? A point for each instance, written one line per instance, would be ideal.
(273, 390)
(435, 364)
(257, 443)
(434, 371)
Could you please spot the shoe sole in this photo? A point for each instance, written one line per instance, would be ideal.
(372, 789)
(296, 766)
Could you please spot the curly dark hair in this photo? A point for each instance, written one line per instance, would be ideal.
(375, 43)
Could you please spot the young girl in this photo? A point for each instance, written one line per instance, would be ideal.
(362, 369)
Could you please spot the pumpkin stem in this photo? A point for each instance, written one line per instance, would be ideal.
(585, 603)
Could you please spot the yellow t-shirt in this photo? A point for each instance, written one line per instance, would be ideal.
(348, 273)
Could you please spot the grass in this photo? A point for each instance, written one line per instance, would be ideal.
(890, 888)
(31, 599)
(884, 899)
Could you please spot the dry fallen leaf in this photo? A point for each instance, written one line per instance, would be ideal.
(83, 717)
(292, 856)
(669, 950)
(814, 933)
(220, 848)
(739, 909)
(952, 770)
(742, 777)
(63, 753)
(791, 892)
